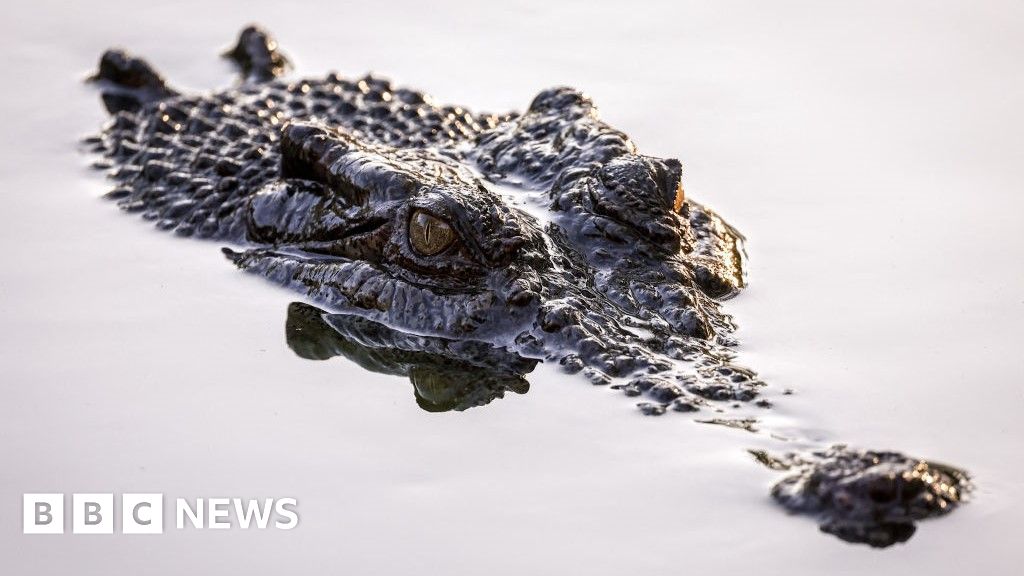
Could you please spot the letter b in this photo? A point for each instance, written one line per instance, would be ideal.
(43, 514)
(92, 513)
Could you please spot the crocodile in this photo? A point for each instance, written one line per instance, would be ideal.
(460, 248)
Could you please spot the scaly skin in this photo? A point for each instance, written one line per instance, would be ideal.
(455, 248)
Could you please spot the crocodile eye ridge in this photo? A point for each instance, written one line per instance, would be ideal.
(428, 234)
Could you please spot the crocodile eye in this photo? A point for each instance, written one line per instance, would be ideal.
(428, 234)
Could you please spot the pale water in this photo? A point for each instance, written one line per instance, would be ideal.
(871, 152)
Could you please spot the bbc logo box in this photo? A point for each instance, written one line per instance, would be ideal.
(43, 514)
(93, 513)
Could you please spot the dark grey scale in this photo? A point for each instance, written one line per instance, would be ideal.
(376, 95)
(407, 96)
(378, 112)
(406, 113)
(346, 108)
(358, 124)
(320, 108)
(197, 217)
(296, 107)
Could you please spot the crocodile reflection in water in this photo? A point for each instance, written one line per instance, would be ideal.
(546, 234)
(445, 374)
(860, 496)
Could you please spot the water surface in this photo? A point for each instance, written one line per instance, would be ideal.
(871, 153)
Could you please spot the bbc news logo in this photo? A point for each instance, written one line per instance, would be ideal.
(144, 513)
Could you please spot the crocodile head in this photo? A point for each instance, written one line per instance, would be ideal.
(407, 237)
(590, 264)
(545, 231)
